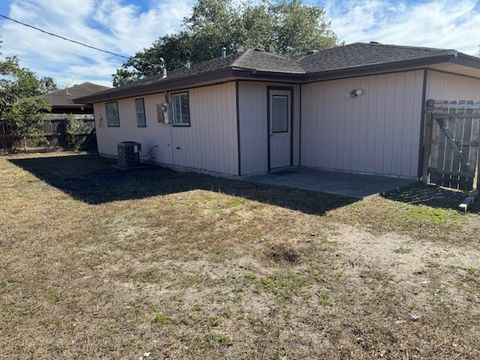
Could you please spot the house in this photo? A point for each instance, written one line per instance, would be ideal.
(63, 106)
(354, 108)
(62, 100)
(55, 129)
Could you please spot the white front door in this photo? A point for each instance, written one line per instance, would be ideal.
(280, 109)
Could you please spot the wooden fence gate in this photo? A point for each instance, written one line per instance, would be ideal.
(452, 144)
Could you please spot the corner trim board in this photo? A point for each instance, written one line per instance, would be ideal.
(300, 126)
(239, 153)
(421, 149)
(268, 129)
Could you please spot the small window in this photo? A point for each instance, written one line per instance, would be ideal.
(181, 109)
(140, 110)
(111, 110)
(279, 113)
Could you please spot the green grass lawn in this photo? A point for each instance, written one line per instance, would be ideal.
(99, 263)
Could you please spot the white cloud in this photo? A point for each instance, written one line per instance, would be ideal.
(434, 23)
(113, 25)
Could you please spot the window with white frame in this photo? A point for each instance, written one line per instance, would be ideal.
(181, 109)
(140, 111)
(111, 109)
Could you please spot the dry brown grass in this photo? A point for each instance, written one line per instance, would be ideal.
(98, 263)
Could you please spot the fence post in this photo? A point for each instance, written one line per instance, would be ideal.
(427, 141)
(476, 169)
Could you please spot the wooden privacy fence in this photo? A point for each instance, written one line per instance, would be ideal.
(55, 131)
(452, 144)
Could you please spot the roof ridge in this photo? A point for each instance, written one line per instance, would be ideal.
(193, 66)
(244, 61)
(244, 52)
(279, 56)
(416, 52)
(414, 47)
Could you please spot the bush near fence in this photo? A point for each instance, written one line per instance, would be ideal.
(58, 134)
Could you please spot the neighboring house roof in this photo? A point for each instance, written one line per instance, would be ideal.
(64, 98)
(340, 61)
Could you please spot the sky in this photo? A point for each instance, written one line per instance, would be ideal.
(128, 26)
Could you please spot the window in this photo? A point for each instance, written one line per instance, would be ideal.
(279, 113)
(140, 110)
(181, 109)
(112, 114)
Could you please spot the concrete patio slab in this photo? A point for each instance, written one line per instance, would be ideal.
(346, 184)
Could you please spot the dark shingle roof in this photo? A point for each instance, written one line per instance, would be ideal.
(64, 97)
(259, 60)
(195, 69)
(345, 57)
(361, 54)
(249, 60)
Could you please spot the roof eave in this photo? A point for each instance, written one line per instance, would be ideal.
(380, 68)
(235, 72)
(268, 75)
(66, 106)
(160, 86)
(466, 60)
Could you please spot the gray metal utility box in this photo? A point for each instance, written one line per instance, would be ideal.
(129, 154)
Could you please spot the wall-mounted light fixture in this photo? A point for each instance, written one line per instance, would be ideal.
(356, 92)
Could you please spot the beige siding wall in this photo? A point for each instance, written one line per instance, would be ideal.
(377, 132)
(253, 125)
(442, 86)
(155, 138)
(210, 143)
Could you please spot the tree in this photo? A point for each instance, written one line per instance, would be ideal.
(47, 84)
(286, 27)
(15, 83)
(122, 77)
(21, 103)
(27, 115)
(74, 128)
(300, 28)
(257, 27)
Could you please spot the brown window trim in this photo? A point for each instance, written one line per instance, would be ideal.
(188, 101)
(118, 114)
(144, 113)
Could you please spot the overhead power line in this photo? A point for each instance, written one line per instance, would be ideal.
(63, 37)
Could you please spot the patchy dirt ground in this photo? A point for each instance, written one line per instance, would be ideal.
(101, 263)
